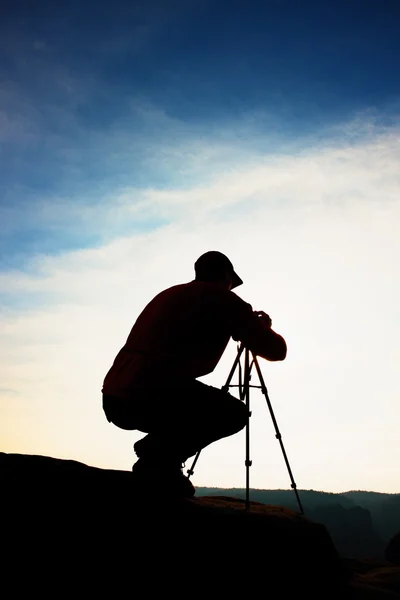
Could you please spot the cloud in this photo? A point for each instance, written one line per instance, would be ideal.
(315, 176)
(208, 175)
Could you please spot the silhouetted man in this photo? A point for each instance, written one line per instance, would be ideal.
(152, 385)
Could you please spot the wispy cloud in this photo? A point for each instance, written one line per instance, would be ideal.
(204, 176)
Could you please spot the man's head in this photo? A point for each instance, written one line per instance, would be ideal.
(216, 267)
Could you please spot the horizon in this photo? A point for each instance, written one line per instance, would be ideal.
(135, 138)
(301, 490)
(207, 487)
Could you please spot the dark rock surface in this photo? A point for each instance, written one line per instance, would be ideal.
(70, 528)
(392, 552)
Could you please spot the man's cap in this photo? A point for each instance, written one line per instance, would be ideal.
(212, 264)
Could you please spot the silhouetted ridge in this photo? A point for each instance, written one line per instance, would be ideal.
(89, 528)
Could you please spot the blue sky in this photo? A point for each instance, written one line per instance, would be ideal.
(83, 85)
(135, 136)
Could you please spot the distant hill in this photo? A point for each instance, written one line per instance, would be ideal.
(384, 509)
(361, 523)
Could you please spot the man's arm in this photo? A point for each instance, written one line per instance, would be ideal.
(253, 329)
(271, 346)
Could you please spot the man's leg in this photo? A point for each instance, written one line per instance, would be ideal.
(188, 418)
(179, 421)
(120, 412)
(156, 470)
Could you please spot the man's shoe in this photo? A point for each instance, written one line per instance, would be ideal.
(151, 477)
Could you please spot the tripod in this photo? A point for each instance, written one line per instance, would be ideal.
(244, 394)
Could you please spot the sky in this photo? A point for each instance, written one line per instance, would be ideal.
(134, 136)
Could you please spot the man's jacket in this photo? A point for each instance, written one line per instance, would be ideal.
(182, 334)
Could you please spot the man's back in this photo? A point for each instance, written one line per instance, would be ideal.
(181, 333)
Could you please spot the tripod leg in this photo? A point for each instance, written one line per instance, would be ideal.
(246, 395)
(277, 432)
(191, 470)
(234, 366)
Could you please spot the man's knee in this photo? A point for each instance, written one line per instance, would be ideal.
(238, 414)
(243, 415)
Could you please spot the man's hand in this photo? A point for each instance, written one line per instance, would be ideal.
(265, 319)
